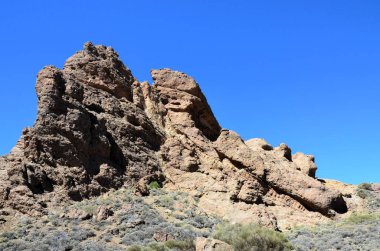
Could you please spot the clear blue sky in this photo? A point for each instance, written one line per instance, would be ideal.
(301, 72)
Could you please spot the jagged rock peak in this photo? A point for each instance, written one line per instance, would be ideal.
(98, 128)
(99, 66)
(181, 94)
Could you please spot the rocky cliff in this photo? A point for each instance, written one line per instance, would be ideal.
(99, 129)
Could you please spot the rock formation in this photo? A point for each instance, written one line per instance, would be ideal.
(98, 128)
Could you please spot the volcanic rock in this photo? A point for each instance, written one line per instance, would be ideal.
(208, 244)
(98, 128)
(305, 163)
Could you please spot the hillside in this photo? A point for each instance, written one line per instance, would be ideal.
(116, 161)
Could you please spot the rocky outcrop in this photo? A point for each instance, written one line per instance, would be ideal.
(305, 163)
(98, 128)
(204, 244)
(88, 137)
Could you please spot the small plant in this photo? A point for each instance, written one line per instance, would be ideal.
(165, 201)
(364, 194)
(8, 235)
(135, 248)
(180, 245)
(187, 245)
(251, 237)
(365, 186)
(90, 209)
(154, 185)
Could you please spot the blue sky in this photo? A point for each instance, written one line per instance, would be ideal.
(301, 72)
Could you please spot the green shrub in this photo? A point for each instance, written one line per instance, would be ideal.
(251, 237)
(135, 248)
(364, 194)
(156, 247)
(90, 209)
(359, 218)
(360, 231)
(365, 186)
(165, 201)
(154, 185)
(180, 245)
(166, 246)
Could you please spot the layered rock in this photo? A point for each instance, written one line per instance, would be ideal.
(98, 128)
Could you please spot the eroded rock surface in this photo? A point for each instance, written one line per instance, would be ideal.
(98, 128)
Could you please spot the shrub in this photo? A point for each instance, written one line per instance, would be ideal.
(81, 234)
(359, 218)
(360, 231)
(187, 245)
(156, 247)
(364, 194)
(8, 235)
(25, 221)
(179, 216)
(89, 246)
(180, 245)
(57, 240)
(165, 201)
(374, 203)
(154, 185)
(251, 237)
(199, 221)
(365, 186)
(134, 248)
(90, 209)
(139, 236)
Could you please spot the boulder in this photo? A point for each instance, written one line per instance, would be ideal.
(258, 144)
(103, 213)
(305, 163)
(209, 244)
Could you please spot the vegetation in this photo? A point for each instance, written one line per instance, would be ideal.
(137, 221)
(251, 237)
(361, 218)
(134, 223)
(360, 231)
(371, 197)
(166, 246)
(365, 186)
(154, 185)
(364, 194)
(364, 190)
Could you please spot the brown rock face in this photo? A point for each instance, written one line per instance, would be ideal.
(98, 128)
(305, 163)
